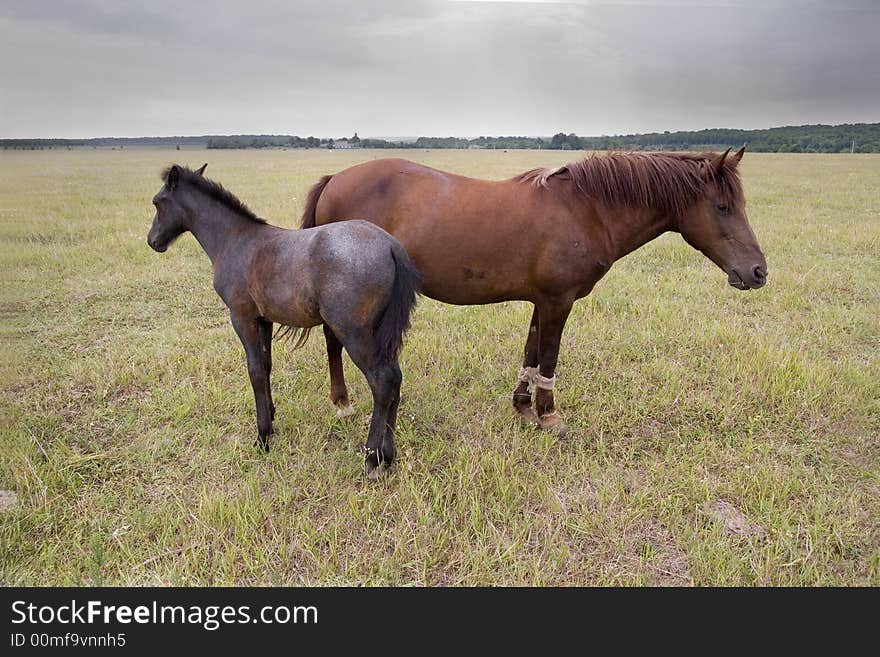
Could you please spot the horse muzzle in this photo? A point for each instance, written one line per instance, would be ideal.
(750, 279)
(158, 248)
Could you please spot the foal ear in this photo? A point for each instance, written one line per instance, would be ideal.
(201, 169)
(736, 157)
(718, 162)
(173, 176)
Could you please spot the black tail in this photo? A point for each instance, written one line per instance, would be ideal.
(308, 218)
(296, 334)
(395, 320)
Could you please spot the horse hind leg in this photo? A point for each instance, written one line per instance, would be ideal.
(338, 389)
(384, 378)
(522, 394)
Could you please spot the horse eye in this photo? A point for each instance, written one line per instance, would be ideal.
(723, 208)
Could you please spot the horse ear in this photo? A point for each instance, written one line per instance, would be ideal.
(718, 162)
(173, 176)
(201, 169)
(736, 157)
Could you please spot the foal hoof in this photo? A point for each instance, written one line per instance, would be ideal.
(345, 411)
(262, 444)
(552, 421)
(372, 464)
(372, 467)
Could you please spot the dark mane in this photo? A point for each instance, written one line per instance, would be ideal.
(669, 181)
(215, 190)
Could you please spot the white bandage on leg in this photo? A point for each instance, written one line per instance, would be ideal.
(543, 382)
(533, 377)
(527, 374)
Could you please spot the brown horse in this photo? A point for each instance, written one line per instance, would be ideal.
(545, 236)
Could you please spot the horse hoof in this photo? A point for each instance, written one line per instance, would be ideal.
(262, 444)
(527, 415)
(345, 411)
(372, 471)
(552, 422)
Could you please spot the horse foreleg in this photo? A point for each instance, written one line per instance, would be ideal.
(522, 394)
(552, 321)
(249, 332)
(266, 347)
(338, 389)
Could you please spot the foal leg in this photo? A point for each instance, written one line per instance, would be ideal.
(522, 394)
(388, 449)
(338, 389)
(249, 332)
(266, 345)
(552, 321)
(384, 381)
(384, 378)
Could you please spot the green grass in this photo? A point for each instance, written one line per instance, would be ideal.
(716, 437)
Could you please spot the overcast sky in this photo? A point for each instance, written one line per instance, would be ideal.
(86, 68)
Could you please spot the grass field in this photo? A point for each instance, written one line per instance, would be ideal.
(716, 437)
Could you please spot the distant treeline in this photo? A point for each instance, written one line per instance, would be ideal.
(857, 137)
(102, 142)
(267, 141)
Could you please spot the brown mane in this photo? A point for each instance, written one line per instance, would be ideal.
(668, 181)
(215, 190)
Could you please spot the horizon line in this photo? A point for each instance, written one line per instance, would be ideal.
(405, 138)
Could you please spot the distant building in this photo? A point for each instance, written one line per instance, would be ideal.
(342, 143)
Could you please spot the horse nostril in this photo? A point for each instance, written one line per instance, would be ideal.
(759, 273)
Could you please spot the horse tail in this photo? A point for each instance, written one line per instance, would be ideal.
(308, 217)
(295, 334)
(395, 319)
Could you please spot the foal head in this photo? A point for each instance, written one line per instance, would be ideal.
(170, 220)
(716, 224)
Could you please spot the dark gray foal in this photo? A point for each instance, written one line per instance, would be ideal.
(352, 277)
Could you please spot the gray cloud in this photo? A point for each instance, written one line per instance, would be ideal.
(90, 68)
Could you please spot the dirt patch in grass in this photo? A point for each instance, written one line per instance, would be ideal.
(667, 561)
(859, 452)
(734, 521)
(8, 500)
(580, 496)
